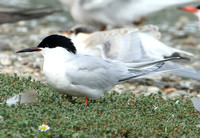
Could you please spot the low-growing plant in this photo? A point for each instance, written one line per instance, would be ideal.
(113, 115)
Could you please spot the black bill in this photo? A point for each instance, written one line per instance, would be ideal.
(31, 49)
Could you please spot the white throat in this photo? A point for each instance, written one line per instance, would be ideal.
(55, 58)
(55, 65)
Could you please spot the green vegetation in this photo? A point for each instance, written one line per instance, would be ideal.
(112, 115)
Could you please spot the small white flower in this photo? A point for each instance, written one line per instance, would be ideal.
(155, 107)
(177, 102)
(43, 128)
(198, 125)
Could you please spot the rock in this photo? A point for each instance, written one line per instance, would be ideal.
(5, 59)
(186, 84)
(183, 93)
(24, 62)
(153, 89)
(174, 95)
(5, 47)
(28, 70)
(169, 90)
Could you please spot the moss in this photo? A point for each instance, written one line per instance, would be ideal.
(112, 115)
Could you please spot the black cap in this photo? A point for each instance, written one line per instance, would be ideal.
(55, 40)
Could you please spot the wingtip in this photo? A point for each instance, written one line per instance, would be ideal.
(159, 65)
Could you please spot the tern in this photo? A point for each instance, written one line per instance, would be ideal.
(115, 12)
(129, 45)
(83, 75)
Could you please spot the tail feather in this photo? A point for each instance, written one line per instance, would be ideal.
(156, 67)
(182, 72)
(142, 72)
(149, 63)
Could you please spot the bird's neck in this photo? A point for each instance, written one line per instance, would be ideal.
(57, 57)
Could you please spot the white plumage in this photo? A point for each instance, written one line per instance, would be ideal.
(115, 12)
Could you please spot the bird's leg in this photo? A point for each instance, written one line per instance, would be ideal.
(70, 98)
(86, 100)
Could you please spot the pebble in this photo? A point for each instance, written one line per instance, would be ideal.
(182, 93)
(5, 60)
(169, 90)
(173, 95)
(5, 46)
(28, 70)
(151, 90)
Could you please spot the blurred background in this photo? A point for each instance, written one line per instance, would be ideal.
(179, 29)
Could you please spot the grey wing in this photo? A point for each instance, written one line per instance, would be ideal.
(95, 73)
(126, 48)
(137, 47)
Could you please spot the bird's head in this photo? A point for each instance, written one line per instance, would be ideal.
(51, 43)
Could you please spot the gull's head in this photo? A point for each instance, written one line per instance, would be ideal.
(77, 30)
(51, 44)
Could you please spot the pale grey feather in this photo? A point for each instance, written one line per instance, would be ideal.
(196, 103)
